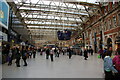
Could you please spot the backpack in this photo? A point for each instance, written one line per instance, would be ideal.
(118, 63)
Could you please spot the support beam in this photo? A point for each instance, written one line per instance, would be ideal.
(48, 12)
(51, 25)
(84, 4)
(50, 20)
(39, 28)
(87, 11)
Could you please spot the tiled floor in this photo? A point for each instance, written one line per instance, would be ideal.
(62, 67)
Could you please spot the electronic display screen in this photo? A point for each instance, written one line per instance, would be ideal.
(64, 35)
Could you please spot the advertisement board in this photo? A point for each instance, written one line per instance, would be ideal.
(4, 13)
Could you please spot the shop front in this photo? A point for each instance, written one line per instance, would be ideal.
(117, 42)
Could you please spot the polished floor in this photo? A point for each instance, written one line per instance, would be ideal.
(62, 67)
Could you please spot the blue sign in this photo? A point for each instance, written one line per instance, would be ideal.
(4, 13)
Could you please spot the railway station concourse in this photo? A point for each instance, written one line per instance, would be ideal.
(59, 39)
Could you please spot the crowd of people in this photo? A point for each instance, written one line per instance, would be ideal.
(20, 52)
(111, 66)
(24, 52)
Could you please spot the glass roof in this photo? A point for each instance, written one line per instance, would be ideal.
(54, 14)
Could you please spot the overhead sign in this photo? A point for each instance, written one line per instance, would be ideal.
(4, 13)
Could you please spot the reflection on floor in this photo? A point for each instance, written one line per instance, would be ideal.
(62, 67)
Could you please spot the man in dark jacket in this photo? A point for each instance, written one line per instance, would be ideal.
(91, 51)
(34, 53)
(55, 51)
(17, 52)
(47, 53)
(69, 52)
(85, 54)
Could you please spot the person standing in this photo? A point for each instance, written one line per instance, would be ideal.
(55, 51)
(116, 62)
(108, 67)
(17, 52)
(30, 53)
(24, 53)
(34, 53)
(41, 52)
(85, 54)
(63, 51)
(91, 51)
(47, 53)
(10, 56)
(58, 53)
(51, 54)
(69, 53)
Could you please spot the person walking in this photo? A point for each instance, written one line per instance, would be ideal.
(108, 67)
(116, 62)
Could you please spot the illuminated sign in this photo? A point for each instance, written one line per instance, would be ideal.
(4, 13)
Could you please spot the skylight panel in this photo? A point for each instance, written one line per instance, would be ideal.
(34, 1)
(89, 1)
